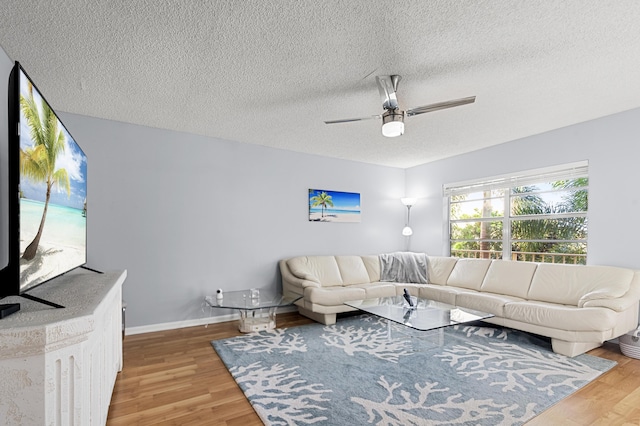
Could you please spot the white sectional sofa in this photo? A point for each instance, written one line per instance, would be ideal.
(578, 307)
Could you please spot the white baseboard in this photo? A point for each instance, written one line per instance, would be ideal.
(192, 322)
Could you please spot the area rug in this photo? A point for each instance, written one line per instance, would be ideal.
(365, 371)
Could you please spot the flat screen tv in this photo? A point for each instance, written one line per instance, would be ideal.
(47, 192)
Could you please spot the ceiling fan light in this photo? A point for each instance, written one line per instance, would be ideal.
(393, 129)
(392, 123)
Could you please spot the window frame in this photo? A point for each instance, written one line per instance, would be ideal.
(507, 182)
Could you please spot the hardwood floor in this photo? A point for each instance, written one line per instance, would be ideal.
(176, 378)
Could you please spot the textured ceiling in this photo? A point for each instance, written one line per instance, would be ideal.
(270, 72)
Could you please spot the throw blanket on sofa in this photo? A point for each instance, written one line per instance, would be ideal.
(404, 267)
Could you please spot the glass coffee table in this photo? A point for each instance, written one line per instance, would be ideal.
(257, 307)
(424, 315)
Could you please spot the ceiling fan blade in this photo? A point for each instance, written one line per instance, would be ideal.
(387, 86)
(440, 105)
(349, 120)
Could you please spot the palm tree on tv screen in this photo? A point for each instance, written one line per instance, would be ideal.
(323, 199)
(38, 162)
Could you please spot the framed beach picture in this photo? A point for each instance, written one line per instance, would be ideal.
(333, 206)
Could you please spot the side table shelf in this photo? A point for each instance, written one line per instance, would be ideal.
(255, 320)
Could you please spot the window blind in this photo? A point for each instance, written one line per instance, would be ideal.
(530, 177)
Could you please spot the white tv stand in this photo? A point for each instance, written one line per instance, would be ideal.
(59, 366)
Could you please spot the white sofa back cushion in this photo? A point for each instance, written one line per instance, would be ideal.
(440, 268)
(469, 273)
(320, 269)
(352, 270)
(568, 284)
(372, 263)
(509, 278)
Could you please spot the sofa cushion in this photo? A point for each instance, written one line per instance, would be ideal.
(469, 273)
(334, 295)
(485, 302)
(439, 293)
(379, 289)
(320, 269)
(567, 284)
(509, 278)
(440, 268)
(569, 318)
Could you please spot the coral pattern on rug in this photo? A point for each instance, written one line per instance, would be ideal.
(364, 370)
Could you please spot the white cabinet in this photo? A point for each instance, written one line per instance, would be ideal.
(59, 366)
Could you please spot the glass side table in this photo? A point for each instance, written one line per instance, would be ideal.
(257, 307)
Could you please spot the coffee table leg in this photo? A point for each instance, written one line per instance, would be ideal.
(272, 318)
(435, 336)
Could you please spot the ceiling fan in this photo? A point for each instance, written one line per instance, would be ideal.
(393, 117)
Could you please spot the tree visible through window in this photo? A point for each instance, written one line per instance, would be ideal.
(539, 216)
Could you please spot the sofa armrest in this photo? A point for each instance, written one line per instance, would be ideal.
(617, 304)
(294, 281)
(292, 285)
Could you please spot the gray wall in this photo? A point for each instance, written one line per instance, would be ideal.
(610, 144)
(186, 214)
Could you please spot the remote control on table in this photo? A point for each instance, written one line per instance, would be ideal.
(407, 297)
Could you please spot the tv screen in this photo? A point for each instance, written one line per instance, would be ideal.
(50, 209)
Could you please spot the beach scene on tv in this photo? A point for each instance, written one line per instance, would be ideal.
(333, 206)
(53, 192)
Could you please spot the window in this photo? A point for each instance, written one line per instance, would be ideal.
(535, 216)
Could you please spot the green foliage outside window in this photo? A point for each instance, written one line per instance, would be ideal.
(547, 222)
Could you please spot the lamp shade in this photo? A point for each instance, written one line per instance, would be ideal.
(408, 201)
(407, 231)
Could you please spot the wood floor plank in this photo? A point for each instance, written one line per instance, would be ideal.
(175, 377)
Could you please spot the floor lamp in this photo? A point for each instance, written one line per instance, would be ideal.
(407, 231)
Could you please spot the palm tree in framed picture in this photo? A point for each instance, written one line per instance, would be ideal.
(323, 200)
